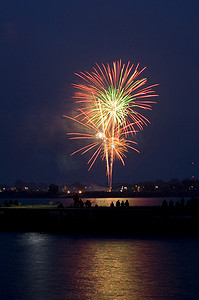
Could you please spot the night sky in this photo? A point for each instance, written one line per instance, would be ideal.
(42, 45)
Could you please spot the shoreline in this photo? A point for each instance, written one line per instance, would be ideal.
(135, 221)
(99, 194)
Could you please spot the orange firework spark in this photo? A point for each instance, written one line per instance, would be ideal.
(110, 98)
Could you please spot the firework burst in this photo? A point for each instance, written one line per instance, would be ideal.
(110, 99)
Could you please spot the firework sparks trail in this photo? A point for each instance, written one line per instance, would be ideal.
(110, 100)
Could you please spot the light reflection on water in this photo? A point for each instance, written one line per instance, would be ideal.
(99, 201)
(47, 266)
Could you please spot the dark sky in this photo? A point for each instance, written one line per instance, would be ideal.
(42, 45)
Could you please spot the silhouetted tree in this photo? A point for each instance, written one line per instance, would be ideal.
(42, 186)
(19, 184)
(187, 184)
(53, 189)
(175, 185)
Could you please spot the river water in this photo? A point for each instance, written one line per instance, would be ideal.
(99, 201)
(35, 266)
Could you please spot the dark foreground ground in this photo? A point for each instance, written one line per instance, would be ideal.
(151, 221)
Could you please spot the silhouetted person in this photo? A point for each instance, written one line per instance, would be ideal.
(127, 203)
(5, 203)
(112, 205)
(118, 203)
(171, 204)
(10, 203)
(88, 203)
(16, 203)
(60, 205)
(81, 203)
(182, 202)
(76, 200)
(193, 204)
(122, 203)
(164, 204)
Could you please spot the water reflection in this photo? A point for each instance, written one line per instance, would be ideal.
(99, 201)
(47, 266)
(122, 269)
(34, 266)
(109, 270)
(126, 269)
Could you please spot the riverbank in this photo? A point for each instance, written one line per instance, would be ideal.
(138, 221)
